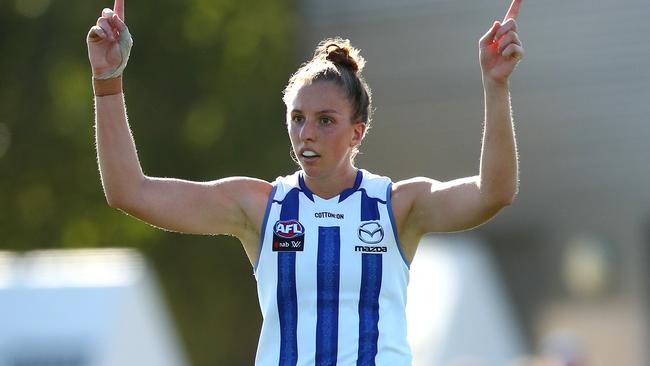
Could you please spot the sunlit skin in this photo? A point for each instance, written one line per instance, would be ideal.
(320, 119)
(103, 49)
(118, 8)
(500, 48)
(513, 11)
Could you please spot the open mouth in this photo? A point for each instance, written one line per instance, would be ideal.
(309, 154)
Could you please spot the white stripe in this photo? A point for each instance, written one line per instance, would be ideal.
(306, 284)
(349, 307)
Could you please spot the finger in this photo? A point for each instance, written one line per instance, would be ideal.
(508, 38)
(513, 12)
(107, 13)
(117, 23)
(96, 34)
(513, 51)
(507, 26)
(107, 28)
(488, 37)
(118, 7)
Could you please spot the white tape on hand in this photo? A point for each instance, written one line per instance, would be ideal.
(125, 42)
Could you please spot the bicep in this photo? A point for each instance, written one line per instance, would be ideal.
(224, 206)
(455, 205)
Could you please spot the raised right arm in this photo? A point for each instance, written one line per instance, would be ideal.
(232, 206)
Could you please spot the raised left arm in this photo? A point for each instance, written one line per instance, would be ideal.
(500, 51)
(431, 206)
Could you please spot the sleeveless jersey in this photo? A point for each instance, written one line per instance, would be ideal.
(331, 277)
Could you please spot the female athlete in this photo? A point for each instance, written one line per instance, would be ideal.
(331, 243)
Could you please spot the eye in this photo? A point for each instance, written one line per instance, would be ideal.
(325, 121)
(296, 118)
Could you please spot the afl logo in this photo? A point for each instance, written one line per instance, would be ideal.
(288, 229)
(371, 233)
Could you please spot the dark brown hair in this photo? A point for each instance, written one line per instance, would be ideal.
(337, 61)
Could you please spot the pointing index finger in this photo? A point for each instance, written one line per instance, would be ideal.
(118, 8)
(512, 13)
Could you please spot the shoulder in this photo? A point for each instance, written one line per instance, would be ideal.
(253, 196)
(249, 194)
(282, 185)
(401, 193)
(404, 197)
(262, 192)
(259, 187)
(241, 189)
(406, 193)
(412, 187)
(245, 187)
(375, 185)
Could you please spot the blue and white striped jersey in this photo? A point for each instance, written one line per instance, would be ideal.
(331, 277)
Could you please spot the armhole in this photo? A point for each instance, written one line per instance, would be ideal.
(269, 203)
(392, 223)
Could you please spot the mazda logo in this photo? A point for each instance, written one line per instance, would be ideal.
(371, 233)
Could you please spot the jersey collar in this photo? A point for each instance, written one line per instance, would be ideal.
(342, 196)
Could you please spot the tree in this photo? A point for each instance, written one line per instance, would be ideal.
(208, 107)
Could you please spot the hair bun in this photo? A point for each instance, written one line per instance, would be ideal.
(341, 53)
(340, 57)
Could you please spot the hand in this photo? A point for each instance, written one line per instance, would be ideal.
(106, 41)
(500, 49)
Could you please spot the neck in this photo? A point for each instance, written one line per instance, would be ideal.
(330, 186)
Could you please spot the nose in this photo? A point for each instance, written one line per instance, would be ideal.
(308, 131)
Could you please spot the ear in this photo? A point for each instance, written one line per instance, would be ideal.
(359, 133)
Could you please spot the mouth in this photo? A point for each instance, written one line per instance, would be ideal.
(309, 155)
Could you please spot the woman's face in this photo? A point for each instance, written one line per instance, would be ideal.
(321, 129)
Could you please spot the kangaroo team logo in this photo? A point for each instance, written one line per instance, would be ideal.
(288, 236)
(371, 232)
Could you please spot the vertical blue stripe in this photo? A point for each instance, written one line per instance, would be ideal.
(301, 183)
(371, 267)
(350, 191)
(287, 297)
(369, 207)
(327, 278)
(369, 308)
(287, 308)
(290, 205)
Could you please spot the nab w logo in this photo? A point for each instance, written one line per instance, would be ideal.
(371, 232)
(288, 229)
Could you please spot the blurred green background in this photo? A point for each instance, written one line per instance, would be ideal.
(203, 90)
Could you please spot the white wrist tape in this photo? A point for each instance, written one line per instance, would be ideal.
(125, 42)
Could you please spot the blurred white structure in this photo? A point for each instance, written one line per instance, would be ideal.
(457, 309)
(97, 307)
